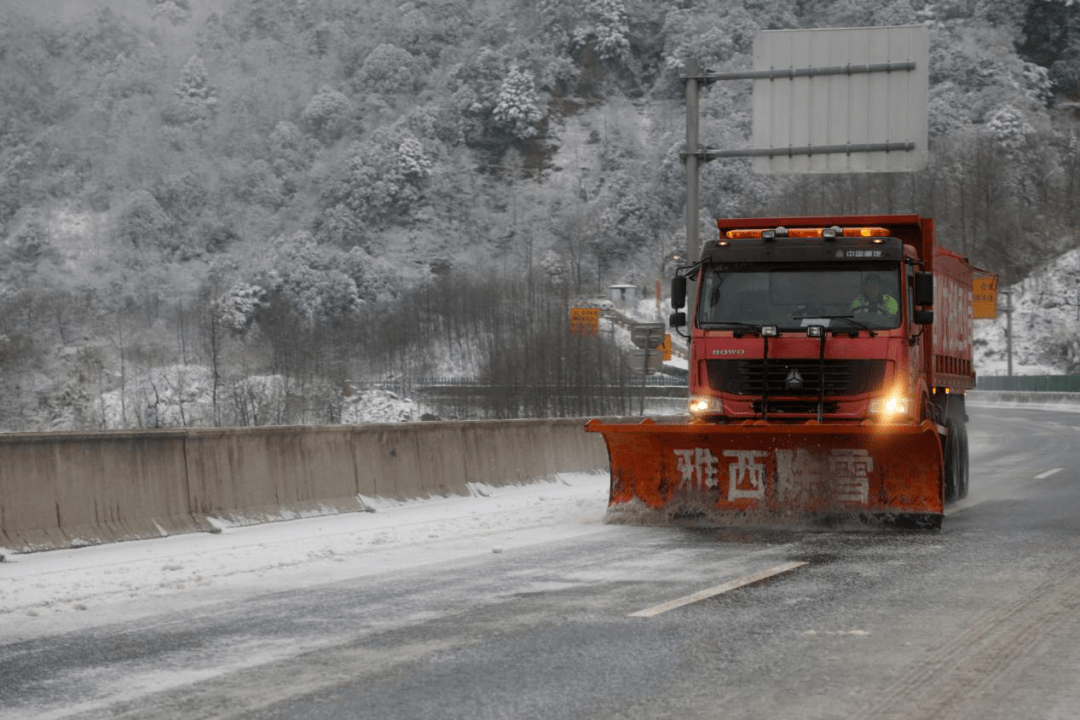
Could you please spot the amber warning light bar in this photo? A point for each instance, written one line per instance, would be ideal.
(820, 232)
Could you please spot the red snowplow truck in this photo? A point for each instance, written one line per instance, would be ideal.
(829, 358)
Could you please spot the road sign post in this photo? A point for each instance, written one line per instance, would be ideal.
(648, 337)
(645, 361)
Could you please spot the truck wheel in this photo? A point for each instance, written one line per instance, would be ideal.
(962, 459)
(951, 450)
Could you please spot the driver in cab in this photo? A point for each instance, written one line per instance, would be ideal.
(873, 299)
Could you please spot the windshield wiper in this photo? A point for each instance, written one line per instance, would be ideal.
(728, 324)
(847, 318)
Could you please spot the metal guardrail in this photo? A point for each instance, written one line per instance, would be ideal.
(659, 380)
(1030, 383)
(1020, 383)
(669, 382)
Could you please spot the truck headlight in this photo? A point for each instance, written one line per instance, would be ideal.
(891, 406)
(705, 405)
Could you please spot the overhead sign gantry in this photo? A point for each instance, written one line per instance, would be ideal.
(836, 100)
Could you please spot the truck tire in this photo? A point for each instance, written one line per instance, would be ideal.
(962, 459)
(951, 450)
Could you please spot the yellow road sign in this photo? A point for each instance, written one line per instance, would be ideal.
(584, 321)
(984, 298)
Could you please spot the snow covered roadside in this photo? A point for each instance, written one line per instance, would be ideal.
(50, 592)
(1070, 405)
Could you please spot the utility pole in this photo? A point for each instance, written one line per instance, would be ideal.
(691, 75)
(1008, 327)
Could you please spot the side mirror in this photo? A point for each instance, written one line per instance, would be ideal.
(677, 320)
(924, 317)
(924, 288)
(678, 294)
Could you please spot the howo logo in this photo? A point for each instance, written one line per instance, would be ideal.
(794, 379)
(730, 351)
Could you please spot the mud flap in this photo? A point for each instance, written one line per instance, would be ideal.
(769, 473)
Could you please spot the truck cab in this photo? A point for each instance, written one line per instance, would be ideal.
(810, 320)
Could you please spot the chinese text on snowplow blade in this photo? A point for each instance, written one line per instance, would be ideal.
(776, 471)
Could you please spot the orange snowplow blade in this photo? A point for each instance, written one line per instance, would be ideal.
(777, 474)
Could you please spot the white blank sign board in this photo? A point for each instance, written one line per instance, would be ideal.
(792, 115)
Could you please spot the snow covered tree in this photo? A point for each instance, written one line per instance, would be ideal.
(984, 72)
(858, 13)
(474, 86)
(176, 12)
(143, 223)
(517, 106)
(237, 308)
(1005, 14)
(328, 114)
(1008, 126)
(341, 226)
(1051, 38)
(715, 37)
(947, 110)
(375, 278)
(604, 28)
(195, 83)
(313, 279)
(182, 197)
(125, 77)
(290, 151)
(379, 182)
(555, 267)
(601, 25)
(388, 70)
(194, 99)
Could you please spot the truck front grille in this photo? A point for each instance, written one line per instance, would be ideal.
(795, 407)
(795, 378)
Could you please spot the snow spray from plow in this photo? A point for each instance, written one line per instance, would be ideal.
(769, 473)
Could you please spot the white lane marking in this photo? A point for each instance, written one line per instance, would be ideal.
(961, 506)
(966, 504)
(1075, 427)
(718, 590)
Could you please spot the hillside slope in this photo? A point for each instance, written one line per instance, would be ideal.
(280, 187)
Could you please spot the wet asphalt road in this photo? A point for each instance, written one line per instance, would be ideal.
(978, 620)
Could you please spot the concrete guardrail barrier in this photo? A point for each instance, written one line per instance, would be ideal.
(71, 489)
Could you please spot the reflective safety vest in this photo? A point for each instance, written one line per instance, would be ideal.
(884, 304)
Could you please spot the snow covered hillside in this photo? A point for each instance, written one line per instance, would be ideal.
(1045, 324)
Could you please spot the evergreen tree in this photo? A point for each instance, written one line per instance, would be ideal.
(517, 105)
(194, 99)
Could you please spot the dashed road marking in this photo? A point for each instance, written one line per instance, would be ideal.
(961, 506)
(718, 590)
(1048, 473)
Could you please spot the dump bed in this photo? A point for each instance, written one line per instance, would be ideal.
(949, 360)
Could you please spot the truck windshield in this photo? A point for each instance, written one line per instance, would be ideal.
(792, 297)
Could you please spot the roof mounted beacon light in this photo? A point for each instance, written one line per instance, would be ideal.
(828, 233)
